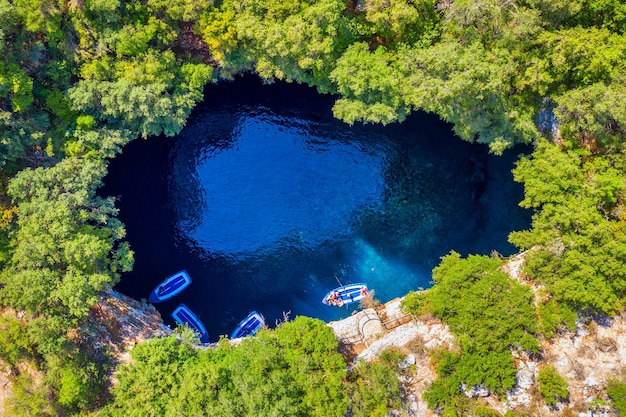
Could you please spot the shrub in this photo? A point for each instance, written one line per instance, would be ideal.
(374, 388)
(552, 386)
(617, 393)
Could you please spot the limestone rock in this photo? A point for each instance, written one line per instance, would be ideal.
(475, 391)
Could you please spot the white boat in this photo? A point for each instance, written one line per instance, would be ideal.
(346, 294)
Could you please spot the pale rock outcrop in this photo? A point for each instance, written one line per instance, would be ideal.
(586, 358)
(416, 337)
(119, 322)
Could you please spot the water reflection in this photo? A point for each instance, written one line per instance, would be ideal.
(271, 183)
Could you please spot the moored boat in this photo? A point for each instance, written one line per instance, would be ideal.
(248, 326)
(170, 287)
(346, 294)
(183, 315)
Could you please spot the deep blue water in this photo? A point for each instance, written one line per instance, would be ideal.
(269, 202)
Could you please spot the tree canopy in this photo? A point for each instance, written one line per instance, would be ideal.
(577, 241)
(490, 314)
(80, 79)
(294, 370)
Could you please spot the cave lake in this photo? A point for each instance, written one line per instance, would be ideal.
(269, 202)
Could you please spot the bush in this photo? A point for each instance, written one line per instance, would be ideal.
(552, 386)
(374, 388)
(14, 343)
(617, 393)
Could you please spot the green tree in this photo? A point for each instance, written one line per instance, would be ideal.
(41, 16)
(484, 19)
(552, 386)
(148, 109)
(17, 86)
(77, 380)
(470, 294)
(14, 343)
(20, 134)
(179, 10)
(553, 316)
(218, 30)
(374, 388)
(298, 41)
(136, 39)
(104, 142)
(67, 240)
(577, 237)
(294, 370)
(30, 398)
(106, 11)
(594, 113)
(400, 20)
(465, 84)
(369, 85)
(489, 313)
(616, 390)
(574, 58)
(586, 13)
(146, 385)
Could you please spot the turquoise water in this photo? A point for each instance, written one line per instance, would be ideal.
(269, 203)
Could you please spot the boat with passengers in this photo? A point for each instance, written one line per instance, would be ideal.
(346, 294)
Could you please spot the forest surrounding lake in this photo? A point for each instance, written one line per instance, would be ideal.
(80, 80)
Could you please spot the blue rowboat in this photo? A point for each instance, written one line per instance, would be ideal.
(346, 294)
(248, 326)
(170, 287)
(183, 315)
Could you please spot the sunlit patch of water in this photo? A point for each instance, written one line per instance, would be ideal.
(270, 185)
(268, 202)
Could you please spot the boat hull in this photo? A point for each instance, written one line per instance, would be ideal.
(170, 287)
(183, 315)
(248, 326)
(346, 294)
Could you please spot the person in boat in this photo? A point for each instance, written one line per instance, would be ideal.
(161, 289)
(334, 298)
(363, 291)
(338, 299)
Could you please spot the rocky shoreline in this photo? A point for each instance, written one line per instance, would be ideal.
(586, 358)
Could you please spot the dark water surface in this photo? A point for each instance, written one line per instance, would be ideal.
(269, 202)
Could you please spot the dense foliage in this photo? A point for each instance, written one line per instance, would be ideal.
(80, 79)
(65, 237)
(552, 386)
(490, 314)
(487, 66)
(294, 370)
(578, 236)
(77, 82)
(373, 387)
(617, 394)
